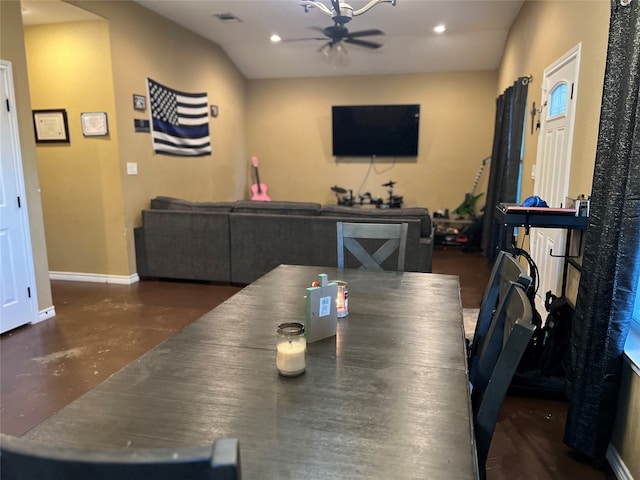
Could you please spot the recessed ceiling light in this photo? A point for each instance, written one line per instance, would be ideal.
(440, 29)
(275, 38)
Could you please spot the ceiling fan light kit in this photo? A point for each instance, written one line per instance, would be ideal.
(336, 54)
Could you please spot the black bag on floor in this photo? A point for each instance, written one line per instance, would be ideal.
(542, 371)
(554, 357)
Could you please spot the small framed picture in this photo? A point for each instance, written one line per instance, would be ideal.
(214, 111)
(141, 125)
(94, 124)
(51, 126)
(139, 102)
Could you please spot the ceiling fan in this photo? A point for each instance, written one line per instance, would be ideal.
(339, 33)
(336, 34)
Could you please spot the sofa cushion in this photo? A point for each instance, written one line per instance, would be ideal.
(388, 213)
(170, 203)
(277, 208)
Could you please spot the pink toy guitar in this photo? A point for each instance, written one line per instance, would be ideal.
(258, 190)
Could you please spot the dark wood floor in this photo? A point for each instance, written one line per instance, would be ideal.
(100, 328)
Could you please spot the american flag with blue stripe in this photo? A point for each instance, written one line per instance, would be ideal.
(179, 121)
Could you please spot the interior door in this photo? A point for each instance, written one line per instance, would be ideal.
(17, 288)
(559, 90)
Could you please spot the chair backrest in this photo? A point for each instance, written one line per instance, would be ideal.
(507, 339)
(20, 459)
(349, 235)
(506, 269)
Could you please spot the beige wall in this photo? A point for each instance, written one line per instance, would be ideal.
(289, 125)
(70, 68)
(12, 49)
(143, 45)
(542, 33)
(91, 205)
(289, 122)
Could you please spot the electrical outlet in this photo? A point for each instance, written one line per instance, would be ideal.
(533, 171)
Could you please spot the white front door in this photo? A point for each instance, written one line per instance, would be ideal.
(559, 90)
(17, 287)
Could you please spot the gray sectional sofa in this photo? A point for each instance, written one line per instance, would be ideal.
(237, 242)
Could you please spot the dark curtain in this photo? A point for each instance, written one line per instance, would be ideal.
(610, 265)
(504, 174)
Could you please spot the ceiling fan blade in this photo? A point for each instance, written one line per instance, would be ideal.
(285, 40)
(362, 43)
(366, 33)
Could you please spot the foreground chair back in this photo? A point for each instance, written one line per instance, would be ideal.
(20, 460)
(506, 269)
(349, 235)
(507, 339)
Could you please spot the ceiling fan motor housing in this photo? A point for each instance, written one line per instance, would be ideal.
(336, 32)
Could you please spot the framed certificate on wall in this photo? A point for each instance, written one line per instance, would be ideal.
(94, 124)
(51, 126)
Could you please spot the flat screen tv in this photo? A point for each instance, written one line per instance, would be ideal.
(375, 130)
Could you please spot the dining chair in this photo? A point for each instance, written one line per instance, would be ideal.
(20, 459)
(351, 234)
(507, 339)
(506, 269)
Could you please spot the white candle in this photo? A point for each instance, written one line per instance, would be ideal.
(291, 357)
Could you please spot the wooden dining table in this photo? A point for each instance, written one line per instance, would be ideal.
(386, 397)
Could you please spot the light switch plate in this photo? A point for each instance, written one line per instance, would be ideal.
(132, 168)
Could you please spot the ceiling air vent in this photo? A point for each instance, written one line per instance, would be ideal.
(227, 17)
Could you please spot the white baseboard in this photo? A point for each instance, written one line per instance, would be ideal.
(95, 278)
(50, 312)
(617, 464)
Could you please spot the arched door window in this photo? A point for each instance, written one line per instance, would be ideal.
(558, 100)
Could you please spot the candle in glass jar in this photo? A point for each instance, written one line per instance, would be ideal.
(291, 349)
(342, 300)
(291, 358)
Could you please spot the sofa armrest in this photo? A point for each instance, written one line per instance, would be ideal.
(425, 253)
(187, 245)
